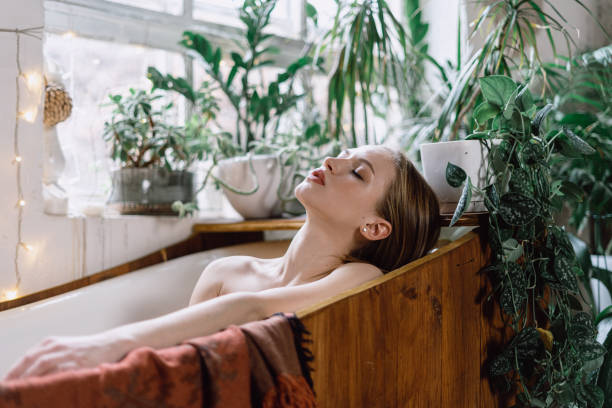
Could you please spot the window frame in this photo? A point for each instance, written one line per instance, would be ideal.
(114, 22)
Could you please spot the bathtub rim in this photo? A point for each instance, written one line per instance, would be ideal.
(444, 249)
(205, 236)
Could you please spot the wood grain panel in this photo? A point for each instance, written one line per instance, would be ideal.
(412, 338)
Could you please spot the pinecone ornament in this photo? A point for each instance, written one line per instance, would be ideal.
(58, 105)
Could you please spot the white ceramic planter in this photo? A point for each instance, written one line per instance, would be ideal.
(470, 155)
(264, 203)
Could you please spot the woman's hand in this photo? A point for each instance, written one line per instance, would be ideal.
(55, 354)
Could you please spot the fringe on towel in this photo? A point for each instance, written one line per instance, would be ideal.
(301, 346)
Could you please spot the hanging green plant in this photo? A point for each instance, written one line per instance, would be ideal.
(553, 358)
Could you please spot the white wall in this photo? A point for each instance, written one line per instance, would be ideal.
(64, 248)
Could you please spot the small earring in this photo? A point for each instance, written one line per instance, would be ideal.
(365, 229)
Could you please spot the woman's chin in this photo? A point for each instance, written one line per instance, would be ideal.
(306, 195)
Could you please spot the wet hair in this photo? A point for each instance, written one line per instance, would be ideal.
(412, 209)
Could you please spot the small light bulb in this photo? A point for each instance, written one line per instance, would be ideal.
(10, 294)
(143, 120)
(17, 159)
(33, 81)
(27, 247)
(29, 115)
(22, 203)
(69, 34)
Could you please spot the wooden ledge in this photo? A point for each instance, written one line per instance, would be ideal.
(250, 225)
(468, 219)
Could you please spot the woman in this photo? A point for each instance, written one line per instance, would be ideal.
(368, 211)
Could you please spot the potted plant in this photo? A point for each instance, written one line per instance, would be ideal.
(553, 358)
(154, 156)
(249, 159)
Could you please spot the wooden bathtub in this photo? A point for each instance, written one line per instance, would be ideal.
(416, 337)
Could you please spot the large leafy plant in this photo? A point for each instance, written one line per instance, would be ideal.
(259, 108)
(510, 45)
(140, 136)
(553, 357)
(583, 88)
(264, 111)
(372, 58)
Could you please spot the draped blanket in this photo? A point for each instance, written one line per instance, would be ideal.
(260, 364)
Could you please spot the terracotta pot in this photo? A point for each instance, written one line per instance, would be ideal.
(470, 155)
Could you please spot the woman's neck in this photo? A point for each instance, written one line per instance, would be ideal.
(317, 249)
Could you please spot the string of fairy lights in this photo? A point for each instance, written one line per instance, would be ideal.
(34, 83)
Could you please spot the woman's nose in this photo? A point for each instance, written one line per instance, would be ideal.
(333, 164)
(330, 164)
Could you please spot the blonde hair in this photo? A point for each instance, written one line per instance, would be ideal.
(412, 208)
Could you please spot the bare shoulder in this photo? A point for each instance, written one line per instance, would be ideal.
(216, 273)
(361, 270)
(229, 263)
(293, 298)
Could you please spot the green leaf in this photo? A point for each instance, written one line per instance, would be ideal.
(576, 143)
(593, 396)
(311, 12)
(605, 372)
(563, 267)
(500, 365)
(237, 58)
(464, 201)
(525, 100)
(520, 182)
(497, 89)
(539, 118)
(518, 209)
(572, 191)
(455, 175)
(298, 64)
(604, 314)
(492, 198)
(478, 135)
(484, 112)
(513, 250)
(582, 119)
(590, 350)
(532, 153)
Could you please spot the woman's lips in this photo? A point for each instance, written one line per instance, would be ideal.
(317, 176)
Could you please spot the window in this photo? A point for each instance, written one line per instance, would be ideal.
(104, 46)
(101, 47)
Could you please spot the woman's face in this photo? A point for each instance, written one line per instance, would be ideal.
(347, 187)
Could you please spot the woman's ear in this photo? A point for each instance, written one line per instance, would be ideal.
(377, 229)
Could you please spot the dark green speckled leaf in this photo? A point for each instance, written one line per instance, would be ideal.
(500, 365)
(577, 144)
(518, 209)
(464, 201)
(539, 118)
(593, 395)
(520, 182)
(455, 175)
(564, 272)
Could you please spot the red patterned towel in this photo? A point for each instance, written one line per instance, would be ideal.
(260, 364)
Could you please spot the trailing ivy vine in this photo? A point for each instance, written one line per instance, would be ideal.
(553, 357)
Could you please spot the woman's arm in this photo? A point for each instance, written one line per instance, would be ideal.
(57, 354)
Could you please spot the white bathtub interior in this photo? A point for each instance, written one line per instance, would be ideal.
(138, 295)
